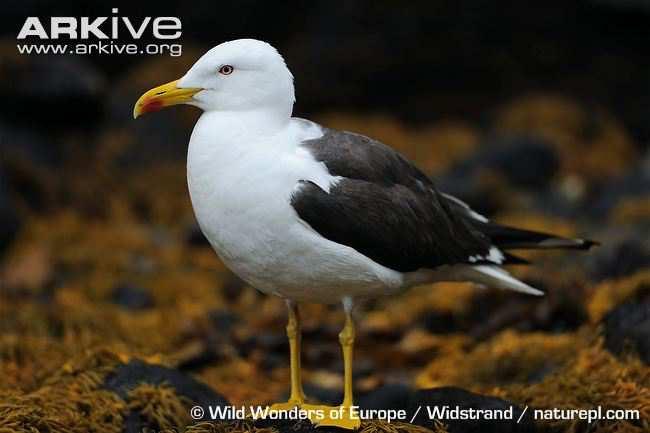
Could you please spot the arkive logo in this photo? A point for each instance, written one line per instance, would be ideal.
(101, 27)
(99, 35)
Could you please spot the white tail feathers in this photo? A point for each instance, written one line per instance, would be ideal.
(493, 276)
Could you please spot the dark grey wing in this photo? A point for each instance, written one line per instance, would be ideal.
(393, 225)
(356, 156)
(385, 208)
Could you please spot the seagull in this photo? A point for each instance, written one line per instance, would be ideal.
(313, 214)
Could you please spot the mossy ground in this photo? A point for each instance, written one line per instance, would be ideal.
(61, 332)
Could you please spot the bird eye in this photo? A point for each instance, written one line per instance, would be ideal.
(226, 70)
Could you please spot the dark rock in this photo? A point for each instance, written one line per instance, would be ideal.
(468, 187)
(503, 166)
(223, 320)
(10, 221)
(452, 398)
(208, 356)
(491, 312)
(129, 376)
(627, 326)
(132, 297)
(441, 322)
(51, 92)
(27, 160)
(274, 345)
(620, 257)
(559, 311)
(27, 144)
(388, 396)
(526, 161)
(329, 396)
(635, 183)
(217, 341)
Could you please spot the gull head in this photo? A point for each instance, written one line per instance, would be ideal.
(239, 75)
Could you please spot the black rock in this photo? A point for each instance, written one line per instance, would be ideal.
(10, 221)
(627, 326)
(51, 92)
(635, 183)
(217, 341)
(526, 161)
(27, 144)
(223, 320)
(490, 312)
(442, 322)
(389, 396)
(467, 187)
(560, 311)
(519, 163)
(132, 297)
(128, 376)
(453, 398)
(620, 257)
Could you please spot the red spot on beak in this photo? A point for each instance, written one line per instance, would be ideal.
(151, 105)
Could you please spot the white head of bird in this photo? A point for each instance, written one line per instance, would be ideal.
(235, 76)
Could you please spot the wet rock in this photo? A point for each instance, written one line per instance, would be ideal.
(491, 312)
(482, 191)
(50, 92)
(388, 396)
(620, 257)
(330, 396)
(611, 191)
(26, 144)
(273, 345)
(441, 322)
(129, 376)
(627, 327)
(452, 398)
(223, 320)
(527, 161)
(496, 177)
(28, 159)
(132, 297)
(10, 221)
(213, 342)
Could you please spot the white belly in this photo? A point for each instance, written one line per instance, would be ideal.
(242, 204)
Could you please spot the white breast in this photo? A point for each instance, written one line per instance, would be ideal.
(241, 182)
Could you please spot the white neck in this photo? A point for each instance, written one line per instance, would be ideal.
(223, 138)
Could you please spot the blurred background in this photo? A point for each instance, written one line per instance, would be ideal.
(535, 113)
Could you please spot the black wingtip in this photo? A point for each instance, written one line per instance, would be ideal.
(587, 244)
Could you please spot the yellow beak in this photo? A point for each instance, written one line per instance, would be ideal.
(161, 97)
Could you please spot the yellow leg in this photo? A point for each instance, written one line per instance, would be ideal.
(343, 416)
(296, 396)
(346, 338)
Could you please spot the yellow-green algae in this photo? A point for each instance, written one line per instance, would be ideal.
(59, 340)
